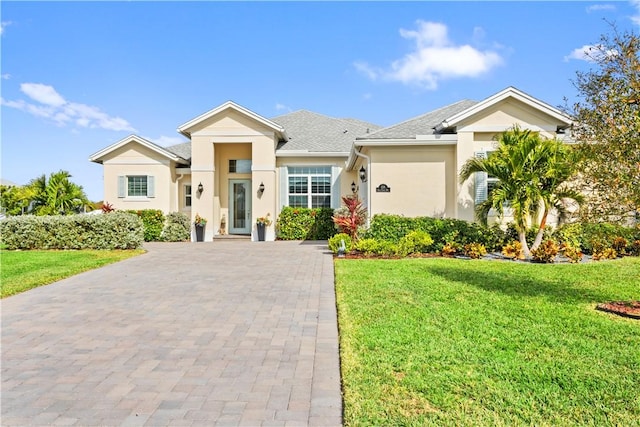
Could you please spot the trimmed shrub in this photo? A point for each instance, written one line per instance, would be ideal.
(153, 220)
(305, 224)
(513, 250)
(118, 230)
(573, 253)
(376, 247)
(596, 237)
(177, 228)
(475, 250)
(416, 241)
(335, 241)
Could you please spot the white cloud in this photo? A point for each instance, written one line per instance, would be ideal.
(166, 141)
(600, 7)
(636, 18)
(4, 24)
(54, 107)
(589, 53)
(282, 107)
(434, 58)
(6, 76)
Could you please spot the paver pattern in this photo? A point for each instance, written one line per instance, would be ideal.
(188, 334)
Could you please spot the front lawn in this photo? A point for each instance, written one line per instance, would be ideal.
(23, 270)
(454, 342)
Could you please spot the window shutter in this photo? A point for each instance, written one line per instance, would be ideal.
(122, 186)
(336, 200)
(284, 184)
(151, 186)
(481, 181)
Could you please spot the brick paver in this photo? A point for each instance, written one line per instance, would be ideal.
(189, 334)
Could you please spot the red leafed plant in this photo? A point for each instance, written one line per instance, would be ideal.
(351, 216)
(107, 207)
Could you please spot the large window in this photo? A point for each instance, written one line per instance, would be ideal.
(136, 186)
(309, 186)
(240, 166)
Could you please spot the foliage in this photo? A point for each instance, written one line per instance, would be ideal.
(199, 221)
(57, 195)
(305, 224)
(604, 253)
(573, 253)
(475, 250)
(383, 248)
(443, 342)
(414, 242)
(24, 270)
(336, 240)
(443, 231)
(532, 173)
(450, 249)
(546, 252)
(107, 207)
(513, 250)
(176, 228)
(607, 126)
(119, 230)
(594, 237)
(264, 220)
(153, 221)
(15, 200)
(350, 217)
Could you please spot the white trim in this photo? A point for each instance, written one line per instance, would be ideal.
(231, 132)
(184, 129)
(97, 157)
(509, 92)
(502, 128)
(142, 161)
(185, 171)
(405, 142)
(261, 168)
(203, 169)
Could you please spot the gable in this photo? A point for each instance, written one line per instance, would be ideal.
(145, 149)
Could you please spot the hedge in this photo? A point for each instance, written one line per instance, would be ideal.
(305, 224)
(118, 230)
(153, 221)
(177, 228)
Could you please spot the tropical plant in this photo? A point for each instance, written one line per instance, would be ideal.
(532, 174)
(350, 217)
(199, 221)
(336, 241)
(57, 195)
(264, 220)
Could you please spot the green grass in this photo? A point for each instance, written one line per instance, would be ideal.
(24, 270)
(453, 342)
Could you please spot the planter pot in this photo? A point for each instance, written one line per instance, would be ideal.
(261, 230)
(199, 233)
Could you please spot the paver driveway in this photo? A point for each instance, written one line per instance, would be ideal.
(223, 333)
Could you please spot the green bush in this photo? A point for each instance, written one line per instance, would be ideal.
(177, 228)
(416, 241)
(376, 247)
(335, 240)
(596, 237)
(153, 220)
(443, 231)
(475, 250)
(546, 252)
(305, 224)
(118, 230)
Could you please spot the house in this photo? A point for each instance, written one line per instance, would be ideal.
(238, 165)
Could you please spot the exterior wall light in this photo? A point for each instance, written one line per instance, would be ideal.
(200, 188)
(363, 174)
(353, 187)
(261, 188)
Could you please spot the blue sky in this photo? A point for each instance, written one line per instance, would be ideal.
(79, 76)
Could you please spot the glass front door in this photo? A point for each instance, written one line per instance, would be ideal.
(239, 206)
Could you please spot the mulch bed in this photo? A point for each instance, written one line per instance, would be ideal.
(621, 308)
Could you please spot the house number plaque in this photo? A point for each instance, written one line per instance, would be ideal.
(383, 188)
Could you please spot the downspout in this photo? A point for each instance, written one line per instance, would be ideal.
(369, 194)
(178, 178)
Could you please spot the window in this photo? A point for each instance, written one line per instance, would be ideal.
(187, 195)
(239, 166)
(309, 186)
(136, 186)
(485, 183)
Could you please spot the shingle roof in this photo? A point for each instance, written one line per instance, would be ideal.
(421, 125)
(309, 131)
(183, 150)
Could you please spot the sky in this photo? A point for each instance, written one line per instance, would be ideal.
(79, 76)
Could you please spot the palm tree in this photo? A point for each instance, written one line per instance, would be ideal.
(532, 174)
(57, 195)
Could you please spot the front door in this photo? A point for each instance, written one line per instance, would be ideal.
(240, 206)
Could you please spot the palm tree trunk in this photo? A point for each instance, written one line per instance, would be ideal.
(543, 224)
(525, 246)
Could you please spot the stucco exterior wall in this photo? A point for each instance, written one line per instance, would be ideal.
(134, 159)
(421, 180)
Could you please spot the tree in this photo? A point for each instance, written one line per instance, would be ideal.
(57, 195)
(607, 126)
(533, 174)
(15, 199)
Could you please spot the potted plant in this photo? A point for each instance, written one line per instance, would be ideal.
(261, 223)
(199, 223)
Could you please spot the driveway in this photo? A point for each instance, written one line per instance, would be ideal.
(188, 334)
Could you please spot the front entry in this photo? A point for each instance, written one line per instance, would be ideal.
(239, 206)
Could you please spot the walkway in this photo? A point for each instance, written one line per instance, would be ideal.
(188, 334)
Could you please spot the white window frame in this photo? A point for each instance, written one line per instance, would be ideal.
(123, 186)
(188, 196)
(306, 172)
